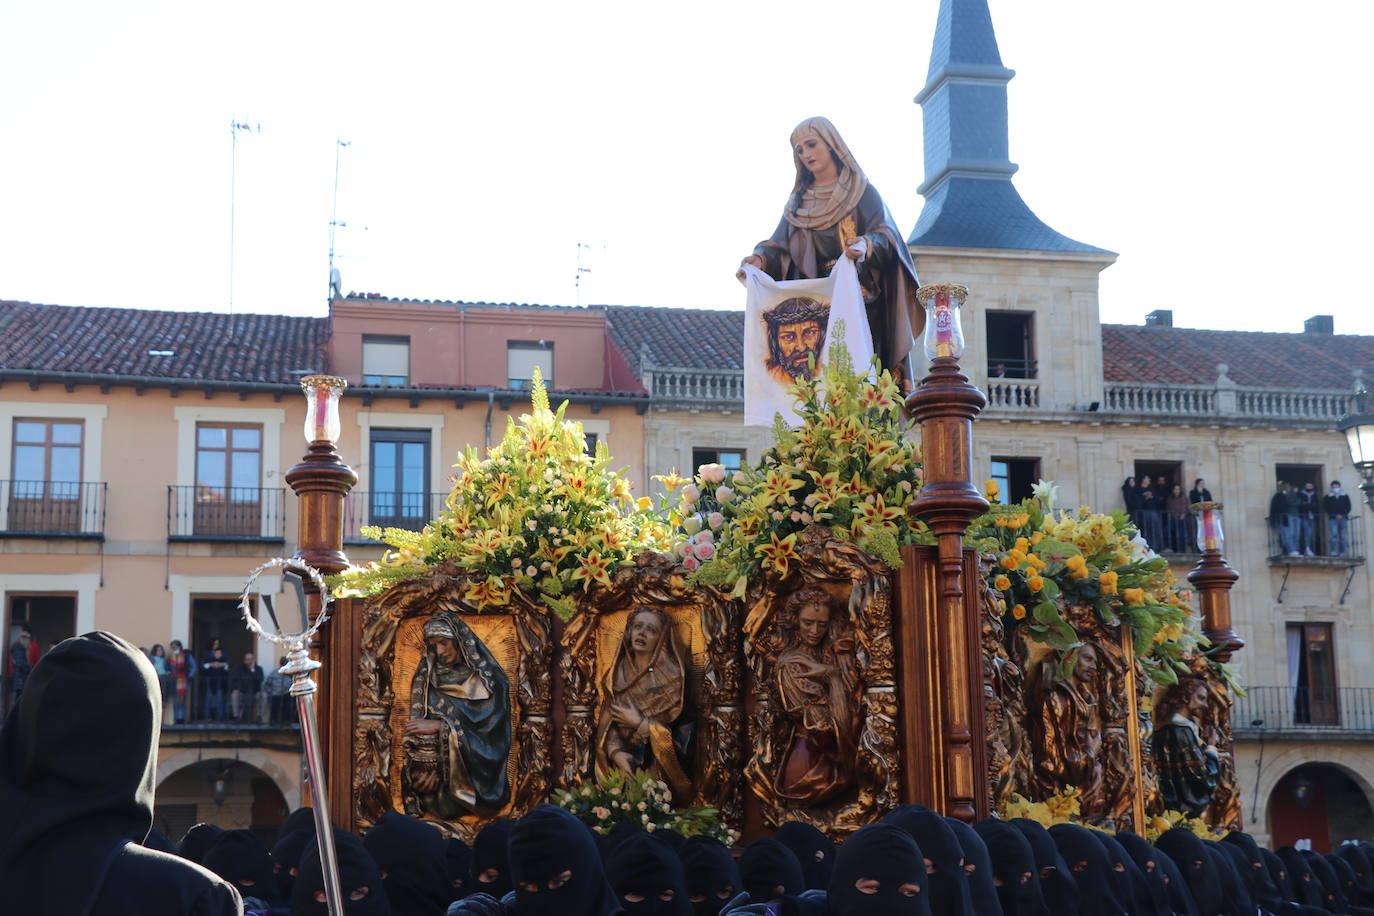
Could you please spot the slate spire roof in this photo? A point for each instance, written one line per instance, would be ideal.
(970, 200)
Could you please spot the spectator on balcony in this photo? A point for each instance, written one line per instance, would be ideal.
(22, 658)
(1130, 498)
(1336, 505)
(1199, 493)
(1283, 520)
(158, 656)
(1151, 511)
(180, 668)
(1177, 508)
(214, 673)
(1307, 505)
(245, 689)
(276, 687)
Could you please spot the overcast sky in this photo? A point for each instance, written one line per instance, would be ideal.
(1220, 146)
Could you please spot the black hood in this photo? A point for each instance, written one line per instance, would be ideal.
(1146, 860)
(619, 833)
(489, 852)
(1235, 896)
(1358, 860)
(300, 819)
(887, 855)
(1350, 887)
(949, 890)
(1132, 890)
(711, 874)
(1013, 864)
(1278, 872)
(357, 870)
(977, 868)
(78, 758)
(1097, 885)
(1263, 891)
(813, 849)
(1056, 881)
(197, 842)
(643, 871)
(414, 867)
(1332, 893)
(286, 859)
(458, 861)
(1190, 855)
(1307, 890)
(767, 865)
(156, 839)
(1180, 897)
(239, 857)
(543, 845)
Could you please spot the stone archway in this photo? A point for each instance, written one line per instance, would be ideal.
(259, 788)
(1353, 761)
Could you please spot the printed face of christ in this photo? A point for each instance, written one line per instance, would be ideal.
(798, 346)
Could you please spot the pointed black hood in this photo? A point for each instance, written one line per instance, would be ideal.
(871, 869)
(414, 867)
(712, 875)
(544, 845)
(813, 849)
(1013, 864)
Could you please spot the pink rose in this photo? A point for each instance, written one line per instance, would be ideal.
(704, 551)
(724, 494)
(715, 520)
(703, 537)
(690, 563)
(711, 473)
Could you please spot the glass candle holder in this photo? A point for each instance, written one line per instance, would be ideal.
(322, 393)
(944, 336)
(1209, 533)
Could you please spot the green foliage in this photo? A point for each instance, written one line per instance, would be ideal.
(642, 800)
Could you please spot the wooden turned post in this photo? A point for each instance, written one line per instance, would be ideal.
(1213, 578)
(945, 405)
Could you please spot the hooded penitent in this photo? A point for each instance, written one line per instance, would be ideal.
(360, 880)
(1190, 855)
(647, 877)
(949, 890)
(490, 863)
(712, 875)
(239, 857)
(78, 757)
(300, 819)
(879, 872)
(1013, 865)
(1180, 898)
(1146, 860)
(1235, 896)
(670, 838)
(1056, 881)
(1097, 888)
(197, 842)
(555, 867)
(286, 859)
(1333, 896)
(769, 870)
(1307, 890)
(1278, 871)
(458, 861)
(813, 850)
(1359, 862)
(411, 857)
(156, 839)
(1132, 890)
(1263, 891)
(978, 869)
(1350, 885)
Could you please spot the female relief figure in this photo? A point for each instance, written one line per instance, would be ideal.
(819, 687)
(458, 737)
(834, 212)
(643, 695)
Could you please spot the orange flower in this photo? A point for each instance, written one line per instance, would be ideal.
(1009, 562)
(490, 591)
(1022, 545)
(1019, 612)
(1107, 582)
(778, 553)
(1134, 596)
(593, 567)
(1035, 583)
(1001, 583)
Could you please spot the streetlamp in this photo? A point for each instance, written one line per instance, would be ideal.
(1213, 578)
(1359, 438)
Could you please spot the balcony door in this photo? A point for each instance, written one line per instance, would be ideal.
(228, 497)
(1312, 674)
(45, 494)
(400, 478)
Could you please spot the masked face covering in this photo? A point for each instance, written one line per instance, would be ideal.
(1056, 881)
(490, 862)
(413, 863)
(1180, 898)
(813, 850)
(1306, 888)
(769, 871)
(197, 842)
(977, 869)
(647, 877)
(300, 819)
(879, 871)
(1333, 897)
(944, 858)
(670, 838)
(1088, 862)
(712, 875)
(1155, 898)
(1234, 895)
(458, 860)
(1359, 863)
(360, 880)
(1190, 855)
(555, 867)
(286, 860)
(239, 857)
(1350, 888)
(1278, 872)
(1131, 889)
(1013, 869)
(1253, 871)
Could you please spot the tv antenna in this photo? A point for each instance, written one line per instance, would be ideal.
(235, 127)
(577, 278)
(335, 280)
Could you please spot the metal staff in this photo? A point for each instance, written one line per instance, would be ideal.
(300, 666)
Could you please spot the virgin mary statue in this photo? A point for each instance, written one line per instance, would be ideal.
(643, 693)
(458, 738)
(834, 212)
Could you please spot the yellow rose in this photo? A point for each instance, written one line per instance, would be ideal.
(1022, 545)
(1076, 563)
(1035, 583)
(1036, 562)
(992, 490)
(1019, 612)
(1009, 562)
(1037, 537)
(1017, 555)
(1134, 596)
(1079, 574)
(1002, 583)
(1107, 582)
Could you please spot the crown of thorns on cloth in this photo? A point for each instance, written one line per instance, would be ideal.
(796, 310)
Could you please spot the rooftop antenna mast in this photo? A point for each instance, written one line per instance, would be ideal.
(577, 279)
(234, 128)
(335, 281)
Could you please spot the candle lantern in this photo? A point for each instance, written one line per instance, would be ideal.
(322, 393)
(1209, 533)
(944, 337)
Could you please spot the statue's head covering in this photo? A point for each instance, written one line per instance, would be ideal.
(441, 625)
(814, 211)
(666, 664)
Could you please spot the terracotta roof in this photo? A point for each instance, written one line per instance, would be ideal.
(681, 338)
(160, 345)
(1189, 356)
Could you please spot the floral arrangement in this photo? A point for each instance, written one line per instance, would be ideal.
(642, 800)
(536, 515)
(1161, 824)
(849, 465)
(1043, 557)
(1061, 808)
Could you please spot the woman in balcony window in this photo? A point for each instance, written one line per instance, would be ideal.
(215, 678)
(179, 670)
(1177, 507)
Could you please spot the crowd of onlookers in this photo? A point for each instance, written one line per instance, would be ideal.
(215, 688)
(1160, 511)
(1295, 515)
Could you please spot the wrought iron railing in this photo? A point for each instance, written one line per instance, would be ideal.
(1328, 709)
(51, 508)
(1013, 394)
(1315, 538)
(411, 511)
(200, 513)
(1167, 532)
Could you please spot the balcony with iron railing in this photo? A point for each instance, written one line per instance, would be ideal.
(52, 509)
(201, 513)
(1315, 542)
(411, 511)
(1336, 713)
